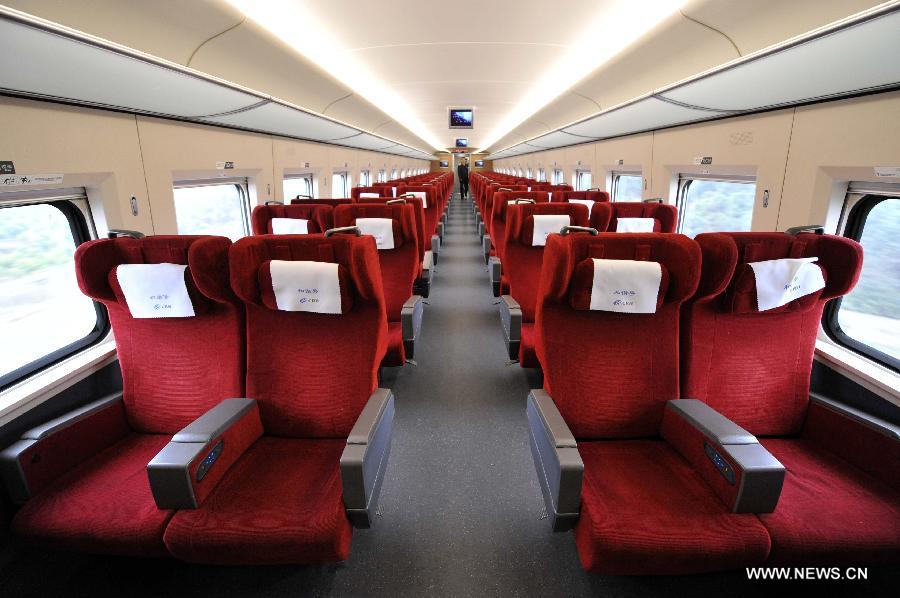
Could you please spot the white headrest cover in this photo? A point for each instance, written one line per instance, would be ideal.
(155, 290)
(368, 195)
(585, 202)
(544, 224)
(380, 228)
(290, 226)
(634, 225)
(781, 281)
(625, 286)
(394, 191)
(421, 195)
(306, 286)
(528, 189)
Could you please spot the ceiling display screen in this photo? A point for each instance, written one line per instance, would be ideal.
(462, 118)
(462, 142)
(479, 163)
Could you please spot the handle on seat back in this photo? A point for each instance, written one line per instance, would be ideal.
(654, 200)
(343, 230)
(391, 202)
(523, 200)
(272, 202)
(121, 232)
(578, 229)
(304, 197)
(818, 229)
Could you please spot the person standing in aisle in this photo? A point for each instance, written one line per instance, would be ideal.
(462, 171)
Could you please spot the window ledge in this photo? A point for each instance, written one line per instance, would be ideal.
(42, 386)
(866, 373)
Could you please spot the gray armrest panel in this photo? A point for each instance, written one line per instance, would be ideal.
(411, 323)
(486, 247)
(495, 269)
(66, 420)
(712, 423)
(365, 457)
(557, 462)
(435, 247)
(214, 422)
(511, 319)
(762, 479)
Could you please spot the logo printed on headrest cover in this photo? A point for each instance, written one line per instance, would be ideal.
(545, 224)
(625, 286)
(779, 282)
(155, 290)
(290, 226)
(306, 286)
(380, 228)
(634, 225)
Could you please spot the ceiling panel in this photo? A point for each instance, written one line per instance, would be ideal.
(556, 139)
(47, 64)
(283, 120)
(857, 58)
(366, 141)
(643, 115)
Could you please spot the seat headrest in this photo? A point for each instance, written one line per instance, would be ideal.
(600, 196)
(623, 286)
(308, 286)
(206, 277)
(677, 255)
(503, 199)
(520, 218)
(317, 216)
(401, 226)
(727, 272)
(665, 216)
(157, 291)
(359, 279)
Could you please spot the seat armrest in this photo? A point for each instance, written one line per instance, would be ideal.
(365, 457)
(495, 270)
(187, 469)
(422, 285)
(511, 319)
(411, 323)
(486, 247)
(559, 466)
(739, 469)
(45, 452)
(440, 228)
(435, 247)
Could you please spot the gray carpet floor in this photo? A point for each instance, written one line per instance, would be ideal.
(460, 514)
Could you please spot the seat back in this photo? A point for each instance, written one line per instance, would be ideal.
(432, 207)
(754, 366)
(661, 217)
(173, 368)
(399, 258)
(318, 217)
(380, 190)
(501, 201)
(312, 373)
(418, 213)
(554, 190)
(611, 373)
(489, 199)
(325, 201)
(524, 248)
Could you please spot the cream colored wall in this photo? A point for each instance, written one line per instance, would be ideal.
(120, 156)
(804, 157)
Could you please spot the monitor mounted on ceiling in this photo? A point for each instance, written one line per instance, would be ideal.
(462, 118)
(462, 142)
(479, 163)
(445, 164)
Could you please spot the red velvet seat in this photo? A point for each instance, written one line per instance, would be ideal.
(500, 204)
(645, 510)
(311, 374)
(382, 191)
(522, 262)
(432, 210)
(841, 495)
(399, 266)
(88, 479)
(665, 216)
(319, 217)
(325, 201)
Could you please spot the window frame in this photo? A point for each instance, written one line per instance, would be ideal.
(82, 229)
(856, 210)
(615, 175)
(684, 185)
(243, 187)
(561, 179)
(293, 177)
(576, 179)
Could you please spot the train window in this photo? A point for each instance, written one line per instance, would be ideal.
(715, 204)
(365, 178)
(44, 316)
(541, 175)
(393, 174)
(298, 186)
(212, 208)
(581, 180)
(340, 184)
(558, 177)
(868, 319)
(627, 186)
(529, 173)
(382, 176)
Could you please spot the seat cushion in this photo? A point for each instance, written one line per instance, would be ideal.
(645, 511)
(830, 512)
(104, 505)
(396, 354)
(280, 503)
(527, 356)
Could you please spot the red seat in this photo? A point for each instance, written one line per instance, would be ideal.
(522, 262)
(318, 217)
(399, 266)
(840, 502)
(664, 216)
(86, 472)
(333, 202)
(646, 509)
(381, 190)
(432, 212)
(500, 203)
(311, 374)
